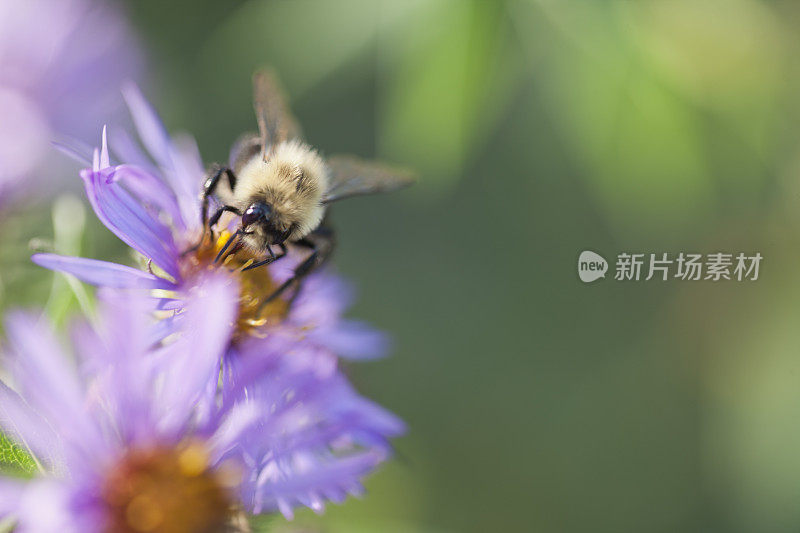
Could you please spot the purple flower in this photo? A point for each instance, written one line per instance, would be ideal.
(320, 437)
(61, 65)
(303, 452)
(153, 205)
(138, 438)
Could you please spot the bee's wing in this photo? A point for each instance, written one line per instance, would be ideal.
(243, 150)
(351, 176)
(275, 122)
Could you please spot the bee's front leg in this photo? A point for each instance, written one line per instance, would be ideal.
(210, 188)
(271, 259)
(216, 216)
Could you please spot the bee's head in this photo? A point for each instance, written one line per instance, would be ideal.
(259, 217)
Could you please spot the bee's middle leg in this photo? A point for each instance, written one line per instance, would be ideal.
(321, 242)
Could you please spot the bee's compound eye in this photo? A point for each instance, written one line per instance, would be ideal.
(256, 212)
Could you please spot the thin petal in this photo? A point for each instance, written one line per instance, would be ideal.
(75, 149)
(187, 178)
(129, 151)
(102, 273)
(179, 160)
(129, 221)
(151, 130)
(323, 298)
(105, 161)
(352, 339)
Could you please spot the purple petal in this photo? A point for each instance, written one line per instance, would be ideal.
(308, 477)
(150, 128)
(170, 304)
(179, 161)
(102, 273)
(119, 365)
(49, 384)
(150, 190)
(10, 496)
(129, 221)
(128, 150)
(76, 150)
(325, 295)
(186, 178)
(161, 330)
(238, 421)
(45, 506)
(194, 359)
(125, 174)
(352, 339)
(105, 161)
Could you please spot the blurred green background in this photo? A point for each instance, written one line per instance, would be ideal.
(540, 128)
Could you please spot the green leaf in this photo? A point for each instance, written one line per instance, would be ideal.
(14, 460)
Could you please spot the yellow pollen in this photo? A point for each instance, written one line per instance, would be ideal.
(144, 514)
(193, 460)
(255, 284)
(166, 490)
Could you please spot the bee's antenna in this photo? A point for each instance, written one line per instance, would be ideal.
(227, 244)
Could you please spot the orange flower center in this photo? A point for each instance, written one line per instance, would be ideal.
(167, 490)
(256, 284)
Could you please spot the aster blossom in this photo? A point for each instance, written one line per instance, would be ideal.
(152, 203)
(321, 437)
(61, 64)
(138, 439)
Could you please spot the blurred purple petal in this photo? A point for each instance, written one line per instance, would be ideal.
(10, 496)
(179, 161)
(151, 130)
(76, 150)
(352, 339)
(48, 383)
(309, 479)
(128, 150)
(188, 178)
(44, 507)
(118, 354)
(61, 66)
(239, 420)
(195, 358)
